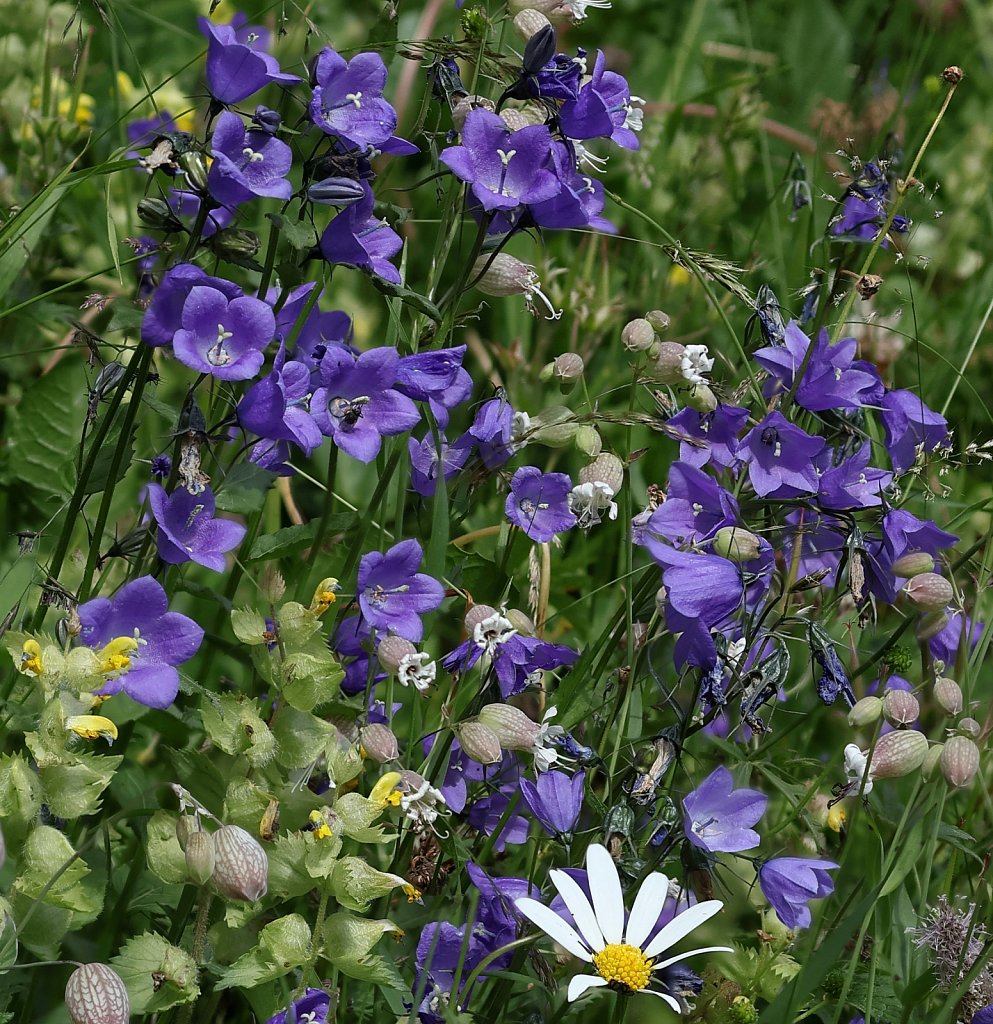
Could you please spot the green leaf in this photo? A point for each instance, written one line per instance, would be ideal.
(157, 975)
(102, 474)
(21, 234)
(884, 1006)
(310, 678)
(8, 936)
(166, 859)
(347, 936)
(244, 488)
(248, 625)
(384, 32)
(300, 737)
(51, 872)
(282, 542)
(20, 796)
(75, 788)
(298, 233)
(288, 874)
(356, 883)
(283, 945)
(38, 447)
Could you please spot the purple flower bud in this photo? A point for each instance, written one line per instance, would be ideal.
(336, 191)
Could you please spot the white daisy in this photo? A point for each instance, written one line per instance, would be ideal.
(621, 954)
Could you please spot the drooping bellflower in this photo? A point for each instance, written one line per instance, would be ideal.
(790, 883)
(238, 67)
(538, 503)
(358, 239)
(188, 530)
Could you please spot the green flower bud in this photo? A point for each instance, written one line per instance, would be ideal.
(588, 440)
(660, 321)
(930, 625)
(513, 729)
(520, 621)
(155, 213)
(932, 760)
(736, 544)
(200, 857)
(194, 165)
(970, 727)
(865, 712)
(702, 398)
(235, 244)
(913, 564)
(554, 427)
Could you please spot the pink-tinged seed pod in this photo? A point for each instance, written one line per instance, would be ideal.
(932, 760)
(96, 995)
(660, 321)
(948, 694)
(529, 23)
(503, 275)
(241, 869)
(929, 591)
(913, 564)
(379, 742)
(969, 727)
(898, 753)
(467, 105)
(667, 367)
(391, 652)
(513, 728)
(865, 712)
(638, 335)
(480, 742)
(476, 614)
(605, 469)
(515, 120)
(900, 707)
(200, 857)
(930, 625)
(959, 761)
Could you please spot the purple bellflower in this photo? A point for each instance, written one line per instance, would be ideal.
(188, 531)
(393, 594)
(904, 533)
(790, 883)
(709, 438)
(504, 168)
(833, 379)
(164, 316)
(186, 205)
(579, 202)
(719, 818)
(853, 483)
(356, 238)
(863, 209)
(319, 330)
(237, 65)
(604, 109)
(538, 503)
(246, 163)
(223, 337)
(437, 378)
(555, 800)
(696, 507)
(278, 406)
(908, 424)
(311, 1008)
(356, 404)
(492, 430)
(780, 458)
(430, 463)
(140, 609)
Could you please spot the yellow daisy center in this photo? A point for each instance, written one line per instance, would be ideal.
(623, 966)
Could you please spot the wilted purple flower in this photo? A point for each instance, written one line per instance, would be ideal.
(555, 799)
(311, 1008)
(559, 79)
(853, 483)
(790, 883)
(348, 99)
(833, 379)
(430, 463)
(504, 168)
(604, 108)
(267, 120)
(140, 609)
(863, 210)
(247, 163)
(695, 508)
(436, 377)
(237, 65)
(909, 424)
(538, 503)
(356, 404)
(780, 458)
(492, 430)
(358, 239)
(164, 316)
(719, 818)
(188, 531)
(221, 336)
(278, 406)
(393, 594)
(716, 433)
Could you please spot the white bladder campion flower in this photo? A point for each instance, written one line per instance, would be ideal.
(623, 955)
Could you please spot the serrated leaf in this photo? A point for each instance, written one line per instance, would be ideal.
(355, 883)
(298, 233)
(51, 872)
(288, 875)
(8, 936)
(157, 974)
(20, 796)
(75, 788)
(884, 1007)
(248, 625)
(347, 936)
(300, 737)
(283, 945)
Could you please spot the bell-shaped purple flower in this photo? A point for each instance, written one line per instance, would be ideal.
(504, 168)
(237, 64)
(538, 503)
(707, 438)
(356, 404)
(780, 458)
(555, 800)
(604, 109)
(311, 1008)
(436, 377)
(348, 99)
(188, 531)
(247, 163)
(164, 316)
(492, 430)
(790, 883)
(358, 239)
(833, 379)
(393, 594)
(904, 533)
(186, 206)
(864, 208)
(319, 330)
(718, 818)
(430, 463)
(908, 424)
(140, 609)
(278, 406)
(223, 337)
(853, 483)
(579, 202)
(696, 507)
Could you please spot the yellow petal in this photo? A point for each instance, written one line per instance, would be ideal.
(92, 727)
(384, 788)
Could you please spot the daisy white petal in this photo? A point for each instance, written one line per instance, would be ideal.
(553, 925)
(681, 925)
(662, 995)
(647, 907)
(581, 984)
(579, 906)
(692, 952)
(608, 899)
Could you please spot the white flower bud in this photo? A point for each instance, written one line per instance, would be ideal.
(667, 367)
(502, 275)
(736, 544)
(912, 564)
(466, 105)
(200, 857)
(606, 469)
(477, 614)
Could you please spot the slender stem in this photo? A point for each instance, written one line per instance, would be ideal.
(199, 944)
